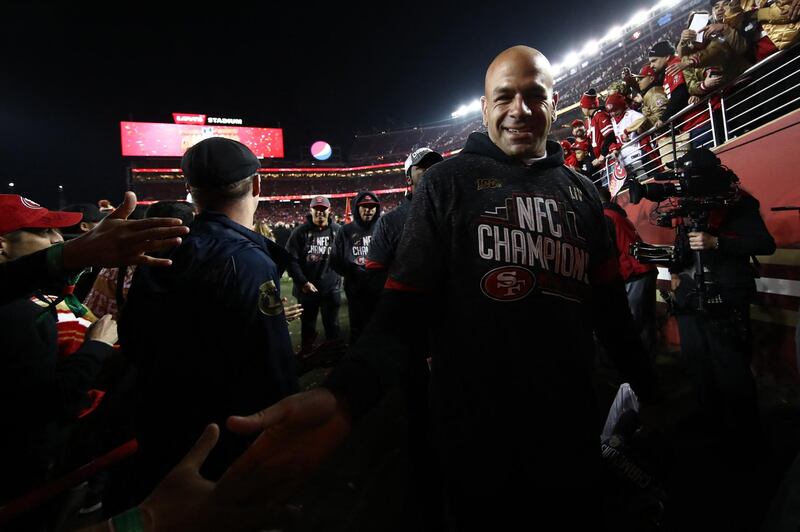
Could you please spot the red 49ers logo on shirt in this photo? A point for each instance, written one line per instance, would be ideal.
(509, 283)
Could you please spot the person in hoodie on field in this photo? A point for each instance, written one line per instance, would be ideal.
(317, 286)
(349, 259)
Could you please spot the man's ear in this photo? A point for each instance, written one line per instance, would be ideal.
(483, 111)
(555, 106)
(3, 249)
(256, 185)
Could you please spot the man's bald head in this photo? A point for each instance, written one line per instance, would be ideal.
(519, 105)
(518, 57)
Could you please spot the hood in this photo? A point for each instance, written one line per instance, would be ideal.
(354, 209)
(616, 208)
(481, 144)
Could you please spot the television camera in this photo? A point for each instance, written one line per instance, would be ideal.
(697, 185)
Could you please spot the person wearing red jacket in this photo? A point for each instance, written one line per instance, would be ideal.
(601, 131)
(640, 279)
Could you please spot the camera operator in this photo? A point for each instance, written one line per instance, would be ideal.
(717, 341)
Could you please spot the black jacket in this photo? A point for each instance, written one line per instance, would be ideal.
(38, 391)
(510, 268)
(311, 246)
(742, 234)
(351, 248)
(209, 339)
(383, 246)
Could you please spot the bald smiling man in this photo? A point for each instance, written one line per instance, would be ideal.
(506, 262)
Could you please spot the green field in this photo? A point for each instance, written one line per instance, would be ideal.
(294, 326)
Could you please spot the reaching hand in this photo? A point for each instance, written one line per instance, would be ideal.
(103, 330)
(292, 312)
(674, 68)
(794, 11)
(297, 435)
(716, 28)
(184, 500)
(117, 241)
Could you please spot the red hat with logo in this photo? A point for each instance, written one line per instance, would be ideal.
(581, 145)
(616, 102)
(18, 213)
(590, 100)
(321, 201)
(566, 146)
(578, 123)
(647, 71)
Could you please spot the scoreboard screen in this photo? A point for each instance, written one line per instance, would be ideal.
(148, 139)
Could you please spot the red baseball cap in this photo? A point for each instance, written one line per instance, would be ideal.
(18, 213)
(578, 122)
(321, 201)
(581, 145)
(646, 71)
(616, 102)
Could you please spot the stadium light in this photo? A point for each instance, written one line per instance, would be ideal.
(590, 49)
(640, 17)
(665, 4)
(572, 59)
(615, 33)
(11, 185)
(472, 107)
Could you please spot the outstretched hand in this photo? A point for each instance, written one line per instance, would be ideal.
(117, 241)
(184, 500)
(297, 435)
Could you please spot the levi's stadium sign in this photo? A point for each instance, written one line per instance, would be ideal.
(195, 119)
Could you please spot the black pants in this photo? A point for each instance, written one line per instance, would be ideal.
(717, 349)
(360, 305)
(329, 303)
(642, 300)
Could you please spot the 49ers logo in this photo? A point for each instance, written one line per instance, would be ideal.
(509, 283)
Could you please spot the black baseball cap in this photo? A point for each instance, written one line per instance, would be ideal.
(217, 161)
(90, 211)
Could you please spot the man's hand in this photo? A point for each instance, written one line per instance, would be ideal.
(103, 330)
(712, 82)
(600, 160)
(116, 241)
(716, 28)
(297, 435)
(693, 100)
(659, 123)
(702, 241)
(688, 35)
(184, 500)
(674, 281)
(794, 11)
(309, 288)
(292, 312)
(674, 68)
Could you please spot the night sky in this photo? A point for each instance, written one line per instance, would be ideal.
(70, 74)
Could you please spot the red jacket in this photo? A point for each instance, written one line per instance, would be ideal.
(625, 234)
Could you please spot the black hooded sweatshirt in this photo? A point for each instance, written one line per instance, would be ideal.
(311, 246)
(352, 244)
(510, 268)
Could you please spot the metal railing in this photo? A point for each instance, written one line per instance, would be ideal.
(765, 91)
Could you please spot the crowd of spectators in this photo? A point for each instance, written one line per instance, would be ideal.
(293, 212)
